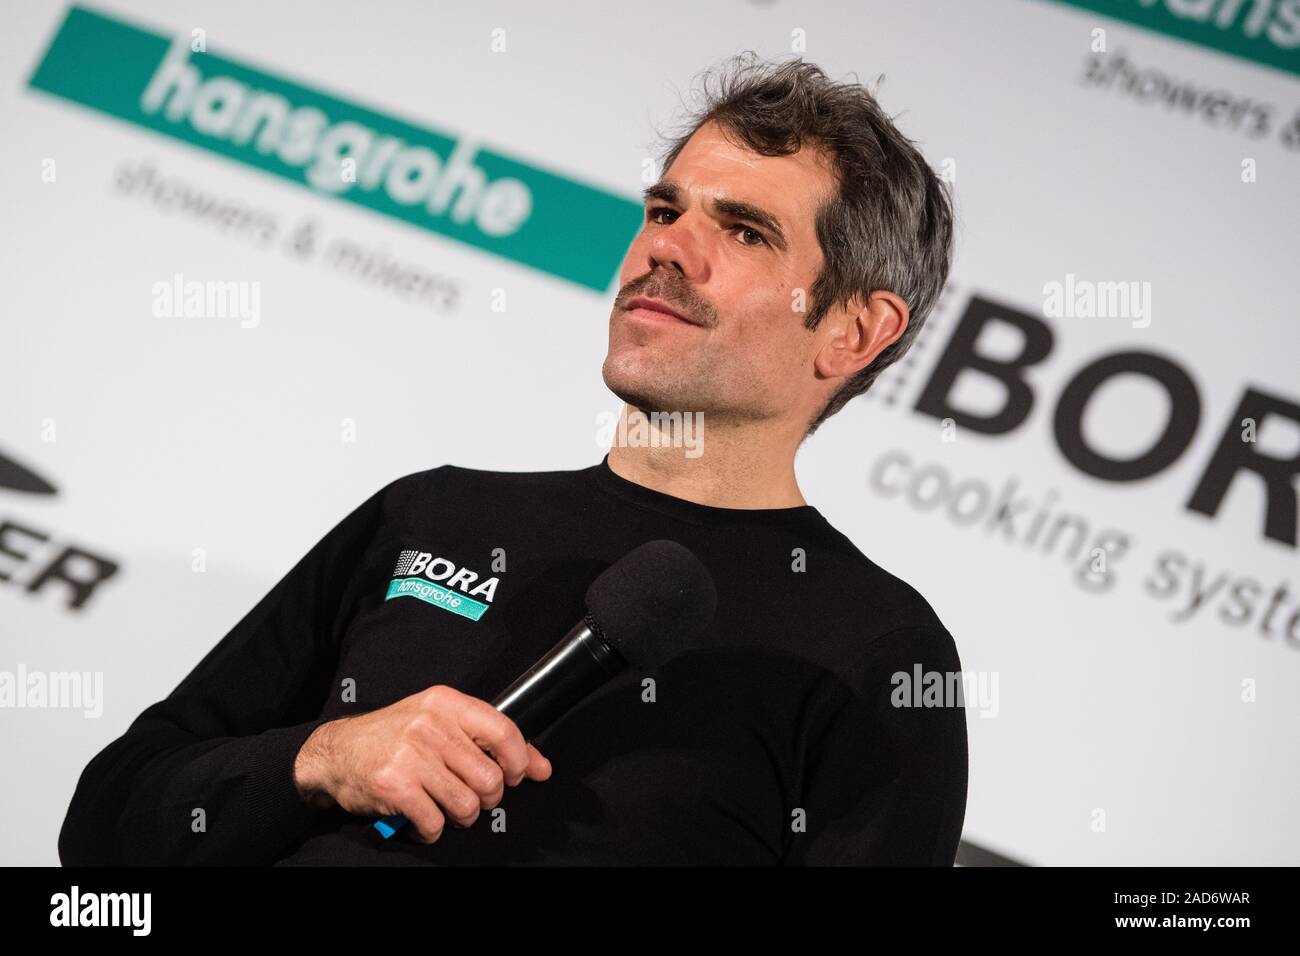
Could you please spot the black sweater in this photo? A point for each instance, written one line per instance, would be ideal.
(778, 741)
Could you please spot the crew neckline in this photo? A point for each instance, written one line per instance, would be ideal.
(615, 484)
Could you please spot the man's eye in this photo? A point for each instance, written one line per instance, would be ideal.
(654, 212)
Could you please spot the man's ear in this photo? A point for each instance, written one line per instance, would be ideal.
(860, 332)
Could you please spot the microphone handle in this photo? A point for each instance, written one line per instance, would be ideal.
(580, 663)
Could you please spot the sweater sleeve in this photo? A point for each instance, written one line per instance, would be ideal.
(205, 776)
(885, 783)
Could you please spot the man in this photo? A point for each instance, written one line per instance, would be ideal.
(790, 252)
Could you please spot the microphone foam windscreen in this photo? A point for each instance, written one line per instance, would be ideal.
(653, 603)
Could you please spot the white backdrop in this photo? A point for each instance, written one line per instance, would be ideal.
(1121, 733)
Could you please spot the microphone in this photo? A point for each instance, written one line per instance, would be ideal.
(642, 611)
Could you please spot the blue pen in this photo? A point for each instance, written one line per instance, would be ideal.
(389, 825)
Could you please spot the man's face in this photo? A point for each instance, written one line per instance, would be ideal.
(742, 277)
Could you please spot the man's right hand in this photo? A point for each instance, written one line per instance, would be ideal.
(422, 757)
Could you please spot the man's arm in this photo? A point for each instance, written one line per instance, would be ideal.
(886, 784)
(205, 776)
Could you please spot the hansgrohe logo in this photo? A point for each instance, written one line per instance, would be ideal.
(438, 182)
(435, 581)
(1263, 31)
(334, 157)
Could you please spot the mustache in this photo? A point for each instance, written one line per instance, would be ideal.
(677, 297)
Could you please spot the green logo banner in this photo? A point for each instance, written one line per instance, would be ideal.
(437, 595)
(433, 180)
(1262, 31)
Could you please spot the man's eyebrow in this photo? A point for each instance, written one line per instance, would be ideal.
(667, 191)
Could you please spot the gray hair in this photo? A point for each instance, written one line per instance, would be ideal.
(890, 225)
